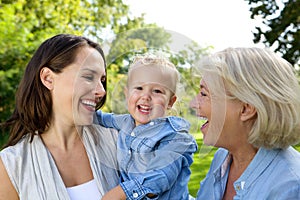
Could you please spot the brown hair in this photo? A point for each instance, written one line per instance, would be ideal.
(33, 100)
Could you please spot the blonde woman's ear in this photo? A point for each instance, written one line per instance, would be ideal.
(248, 112)
(46, 76)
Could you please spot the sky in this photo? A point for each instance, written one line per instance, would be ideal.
(220, 23)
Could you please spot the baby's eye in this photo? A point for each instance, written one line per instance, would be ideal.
(157, 91)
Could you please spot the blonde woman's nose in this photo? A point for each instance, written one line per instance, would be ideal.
(194, 103)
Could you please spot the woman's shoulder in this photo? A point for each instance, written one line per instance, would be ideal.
(16, 150)
(290, 158)
(15, 159)
(219, 158)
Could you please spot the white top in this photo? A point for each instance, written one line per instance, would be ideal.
(34, 174)
(86, 190)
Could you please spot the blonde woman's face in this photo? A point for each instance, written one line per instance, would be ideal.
(220, 114)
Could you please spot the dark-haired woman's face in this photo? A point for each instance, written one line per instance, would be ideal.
(79, 87)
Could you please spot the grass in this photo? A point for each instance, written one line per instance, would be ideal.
(201, 164)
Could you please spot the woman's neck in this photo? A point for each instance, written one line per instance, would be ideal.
(62, 137)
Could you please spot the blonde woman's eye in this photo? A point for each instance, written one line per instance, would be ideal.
(203, 94)
(138, 88)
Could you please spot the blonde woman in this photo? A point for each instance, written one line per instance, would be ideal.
(250, 98)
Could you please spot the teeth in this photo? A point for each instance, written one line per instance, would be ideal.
(203, 118)
(89, 103)
(144, 107)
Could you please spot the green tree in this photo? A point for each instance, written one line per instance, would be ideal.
(280, 28)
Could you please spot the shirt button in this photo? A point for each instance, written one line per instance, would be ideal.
(151, 123)
(132, 134)
(238, 187)
(135, 195)
(129, 151)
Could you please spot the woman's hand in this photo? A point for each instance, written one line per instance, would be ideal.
(116, 193)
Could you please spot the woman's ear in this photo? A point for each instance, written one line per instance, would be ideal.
(46, 76)
(172, 101)
(248, 112)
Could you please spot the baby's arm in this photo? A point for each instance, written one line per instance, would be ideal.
(107, 120)
(163, 168)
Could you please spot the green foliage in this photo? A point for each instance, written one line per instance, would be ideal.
(280, 28)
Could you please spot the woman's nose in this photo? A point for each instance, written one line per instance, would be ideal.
(194, 103)
(99, 90)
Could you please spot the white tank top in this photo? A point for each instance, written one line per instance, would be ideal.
(86, 190)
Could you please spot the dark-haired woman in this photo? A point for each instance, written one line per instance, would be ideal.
(54, 150)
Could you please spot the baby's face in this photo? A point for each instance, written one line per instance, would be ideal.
(148, 93)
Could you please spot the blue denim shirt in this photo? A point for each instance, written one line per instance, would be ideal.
(154, 157)
(271, 175)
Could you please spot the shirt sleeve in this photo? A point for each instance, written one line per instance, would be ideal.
(107, 120)
(172, 157)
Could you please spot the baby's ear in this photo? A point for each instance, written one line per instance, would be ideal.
(46, 76)
(248, 112)
(172, 101)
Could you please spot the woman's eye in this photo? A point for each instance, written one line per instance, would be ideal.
(203, 94)
(139, 88)
(89, 78)
(103, 79)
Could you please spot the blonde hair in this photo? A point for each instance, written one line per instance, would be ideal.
(263, 79)
(159, 61)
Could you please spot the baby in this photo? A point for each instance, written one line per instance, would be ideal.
(155, 151)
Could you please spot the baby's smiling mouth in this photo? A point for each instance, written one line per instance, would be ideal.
(144, 108)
